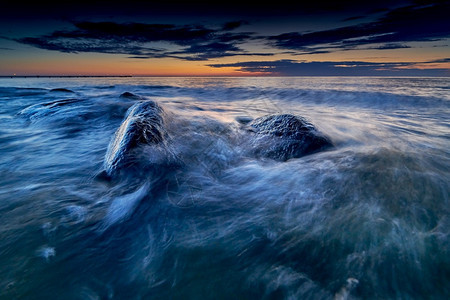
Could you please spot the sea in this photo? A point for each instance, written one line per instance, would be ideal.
(365, 219)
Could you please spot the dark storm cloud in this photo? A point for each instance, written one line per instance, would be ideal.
(413, 23)
(289, 67)
(200, 42)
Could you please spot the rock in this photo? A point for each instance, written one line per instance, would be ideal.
(62, 90)
(285, 136)
(60, 103)
(128, 95)
(44, 109)
(143, 126)
(244, 119)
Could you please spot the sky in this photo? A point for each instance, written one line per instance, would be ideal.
(193, 38)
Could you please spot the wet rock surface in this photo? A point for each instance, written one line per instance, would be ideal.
(285, 136)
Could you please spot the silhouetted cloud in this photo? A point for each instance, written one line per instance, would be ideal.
(109, 46)
(200, 42)
(211, 50)
(391, 46)
(396, 28)
(138, 32)
(233, 25)
(288, 67)
(234, 37)
(414, 23)
(443, 60)
(353, 18)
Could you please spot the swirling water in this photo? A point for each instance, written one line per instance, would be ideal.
(368, 219)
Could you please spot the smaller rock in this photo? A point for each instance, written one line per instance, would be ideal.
(63, 90)
(62, 102)
(47, 108)
(132, 96)
(244, 119)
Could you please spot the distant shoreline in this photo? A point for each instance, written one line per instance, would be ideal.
(62, 76)
(204, 76)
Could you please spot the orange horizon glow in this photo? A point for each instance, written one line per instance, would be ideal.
(109, 69)
(104, 65)
(45, 63)
(194, 40)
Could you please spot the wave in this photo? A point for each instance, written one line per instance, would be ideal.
(365, 219)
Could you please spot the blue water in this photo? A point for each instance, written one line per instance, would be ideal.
(368, 219)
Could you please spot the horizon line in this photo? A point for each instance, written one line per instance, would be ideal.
(237, 76)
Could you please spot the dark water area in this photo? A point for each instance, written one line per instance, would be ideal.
(203, 217)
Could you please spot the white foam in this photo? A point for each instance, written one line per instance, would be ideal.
(75, 214)
(46, 252)
(122, 207)
(344, 292)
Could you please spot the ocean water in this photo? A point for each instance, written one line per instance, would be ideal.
(366, 219)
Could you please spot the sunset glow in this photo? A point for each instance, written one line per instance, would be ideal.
(180, 39)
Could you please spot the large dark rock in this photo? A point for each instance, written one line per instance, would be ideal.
(286, 136)
(143, 126)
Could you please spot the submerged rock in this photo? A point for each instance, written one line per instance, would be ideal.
(143, 126)
(60, 102)
(46, 108)
(63, 90)
(285, 136)
(244, 119)
(128, 95)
